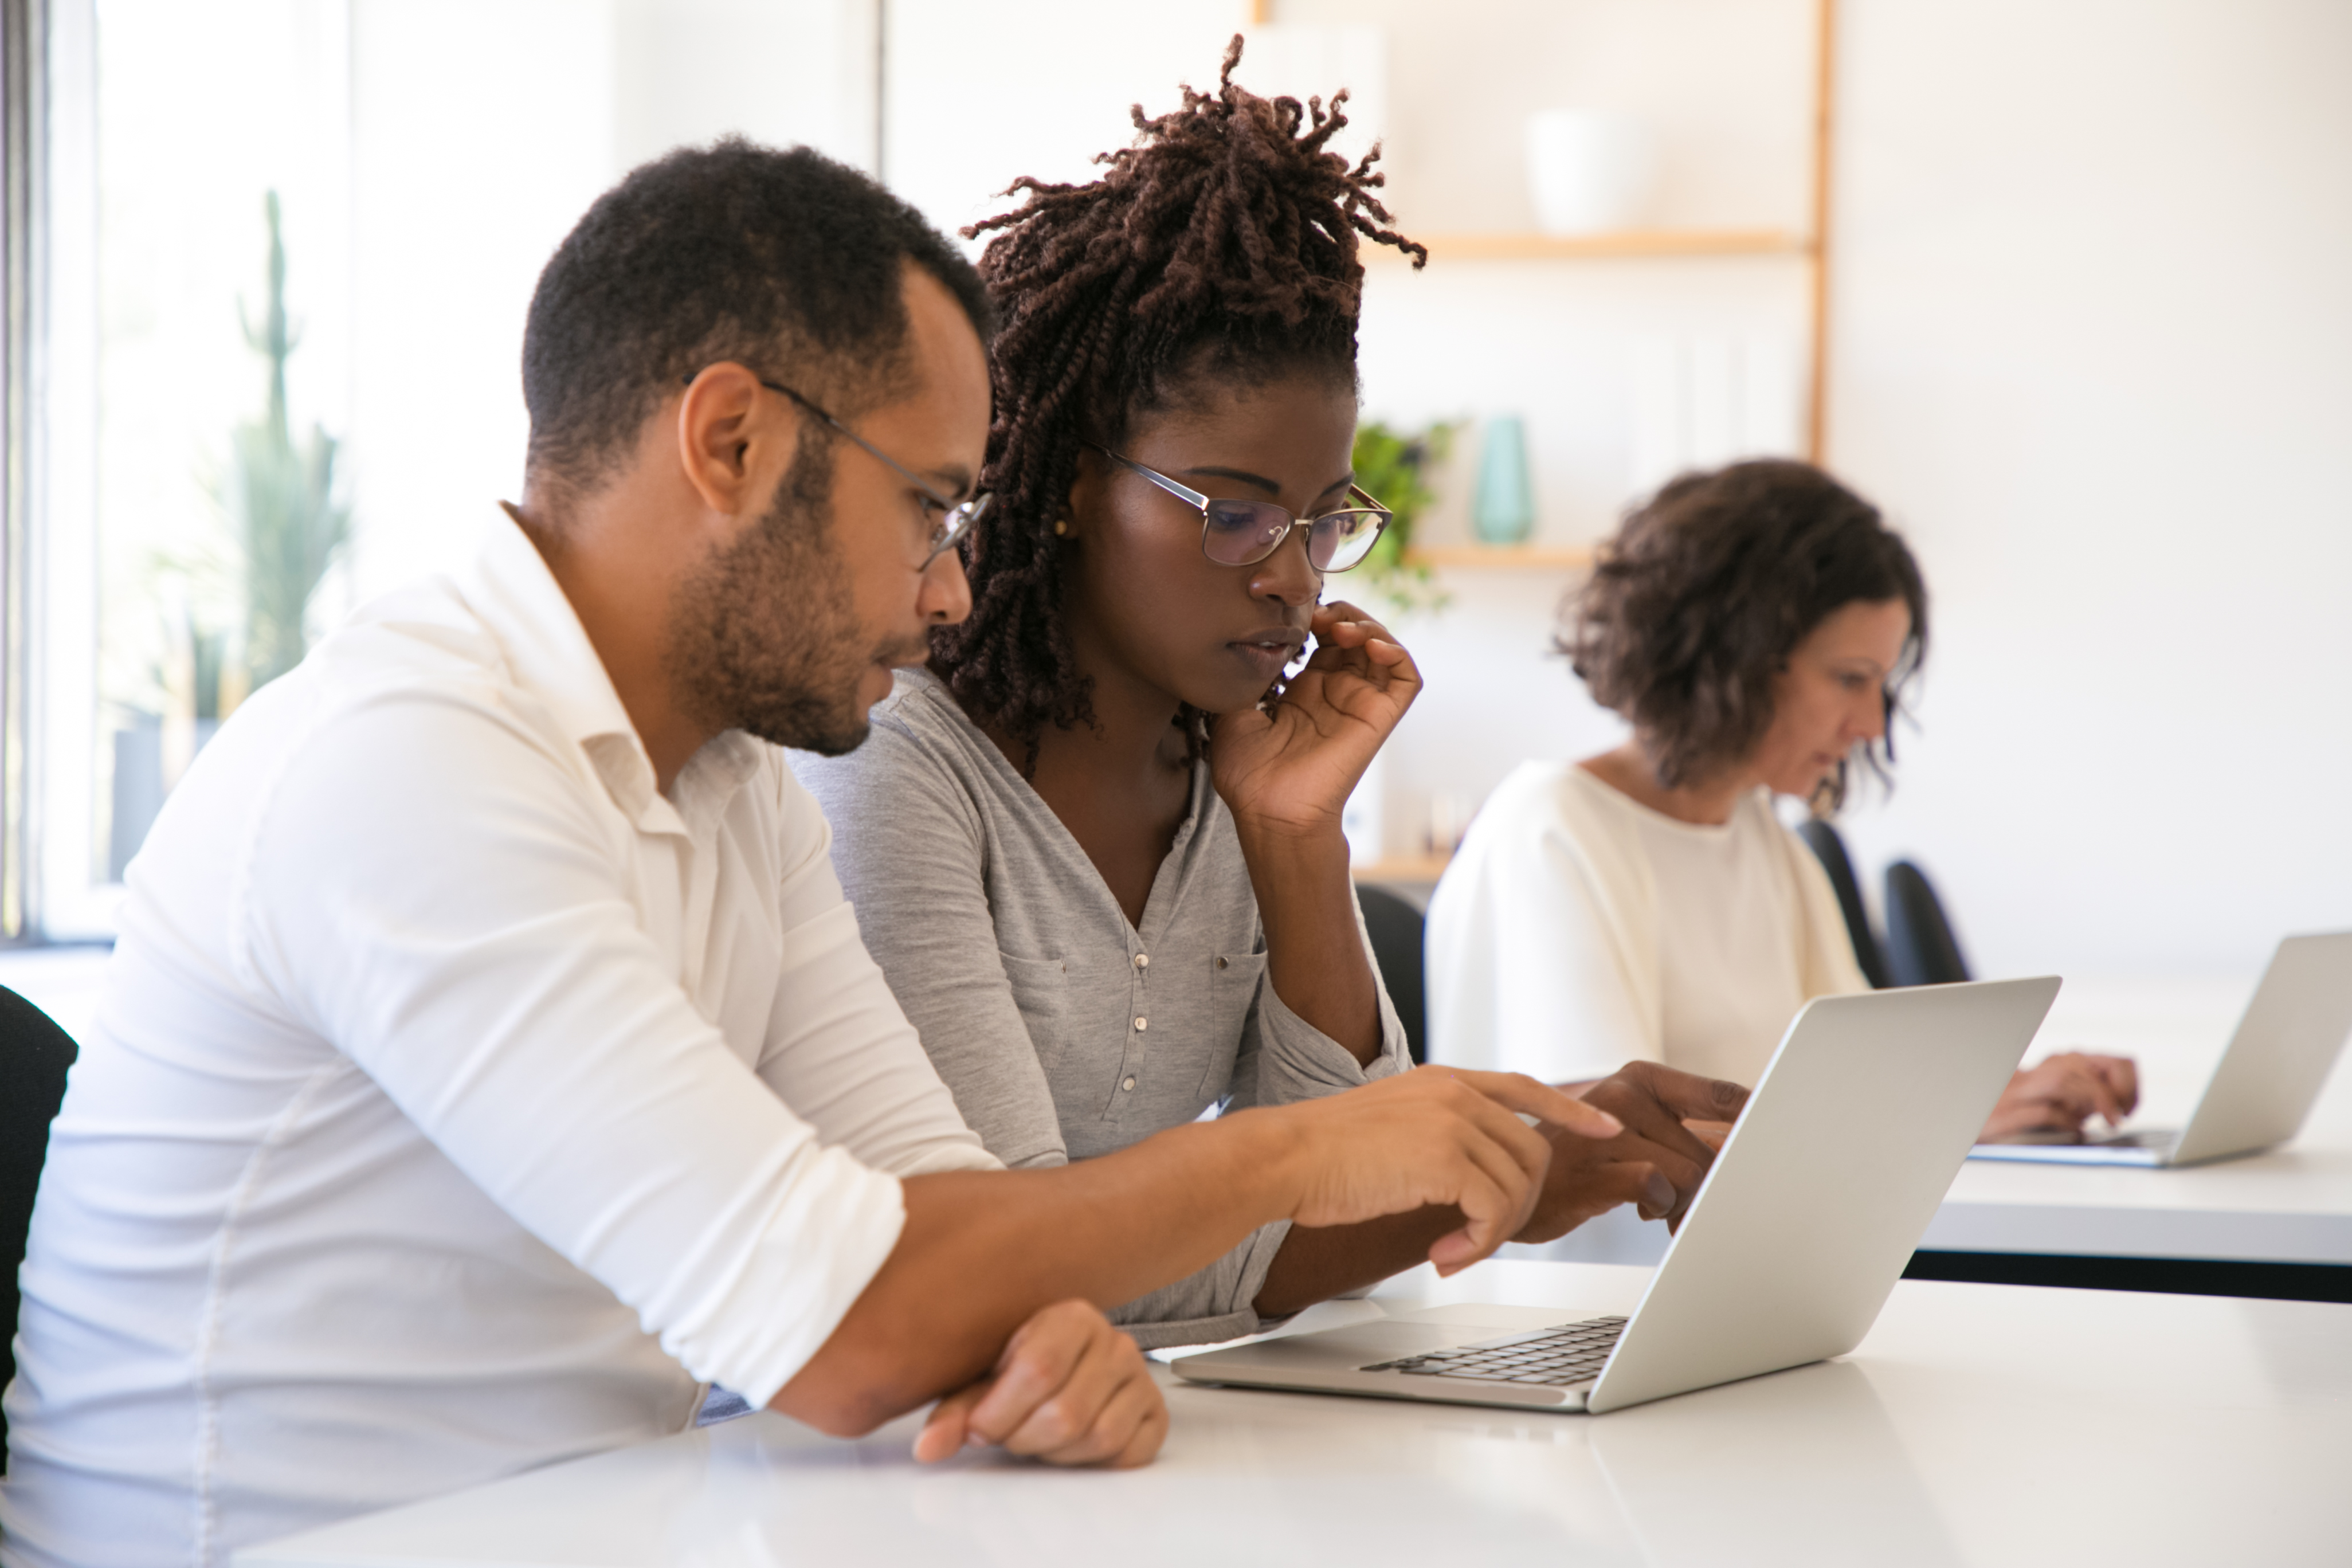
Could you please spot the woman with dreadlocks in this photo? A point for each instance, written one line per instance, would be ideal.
(1095, 845)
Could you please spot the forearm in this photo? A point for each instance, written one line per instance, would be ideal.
(1315, 953)
(1316, 1265)
(982, 1251)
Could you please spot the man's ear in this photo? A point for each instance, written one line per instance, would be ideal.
(730, 429)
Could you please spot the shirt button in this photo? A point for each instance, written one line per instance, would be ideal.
(1142, 961)
(1142, 1024)
(1221, 963)
(1127, 1085)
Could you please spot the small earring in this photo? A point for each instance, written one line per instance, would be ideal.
(1061, 526)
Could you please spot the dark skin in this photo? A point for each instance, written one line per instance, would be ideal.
(1155, 625)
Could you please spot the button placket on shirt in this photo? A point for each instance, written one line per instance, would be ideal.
(1138, 1020)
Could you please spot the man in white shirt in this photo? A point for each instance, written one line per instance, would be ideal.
(490, 1063)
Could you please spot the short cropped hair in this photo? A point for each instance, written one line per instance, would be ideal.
(785, 261)
(1706, 590)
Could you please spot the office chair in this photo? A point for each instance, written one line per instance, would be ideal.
(1395, 928)
(33, 1056)
(1920, 947)
(1829, 848)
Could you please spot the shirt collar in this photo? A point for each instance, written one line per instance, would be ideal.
(549, 655)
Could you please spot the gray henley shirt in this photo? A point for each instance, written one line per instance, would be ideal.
(1062, 1031)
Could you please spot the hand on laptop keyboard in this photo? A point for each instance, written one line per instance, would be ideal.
(2052, 1098)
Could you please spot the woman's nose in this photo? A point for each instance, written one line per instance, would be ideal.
(1287, 574)
(1870, 717)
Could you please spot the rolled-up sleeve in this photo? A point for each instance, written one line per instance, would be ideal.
(467, 940)
(1286, 1059)
(839, 1049)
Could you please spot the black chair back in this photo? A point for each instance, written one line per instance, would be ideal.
(1920, 947)
(33, 1056)
(1395, 928)
(1829, 848)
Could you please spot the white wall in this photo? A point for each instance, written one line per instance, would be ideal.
(2094, 352)
(481, 131)
(980, 95)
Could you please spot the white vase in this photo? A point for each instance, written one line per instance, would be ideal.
(1590, 171)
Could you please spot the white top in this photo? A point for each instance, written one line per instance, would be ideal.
(457, 1104)
(1578, 929)
(2207, 1430)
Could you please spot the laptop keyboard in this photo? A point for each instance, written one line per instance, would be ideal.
(1572, 1353)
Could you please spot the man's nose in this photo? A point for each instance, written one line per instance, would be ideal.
(945, 599)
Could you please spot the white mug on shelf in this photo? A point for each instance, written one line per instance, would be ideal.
(1590, 171)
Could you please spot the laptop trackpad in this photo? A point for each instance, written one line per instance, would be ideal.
(1343, 1349)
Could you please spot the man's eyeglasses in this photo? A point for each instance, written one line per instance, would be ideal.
(1244, 532)
(955, 518)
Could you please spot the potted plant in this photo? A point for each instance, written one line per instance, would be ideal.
(1392, 466)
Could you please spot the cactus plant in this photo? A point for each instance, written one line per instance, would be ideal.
(282, 496)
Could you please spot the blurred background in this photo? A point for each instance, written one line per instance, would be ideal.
(2061, 284)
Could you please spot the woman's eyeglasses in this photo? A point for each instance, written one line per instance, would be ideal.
(1244, 532)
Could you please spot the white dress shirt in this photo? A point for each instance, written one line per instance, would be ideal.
(458, 1102)
(1578, 929)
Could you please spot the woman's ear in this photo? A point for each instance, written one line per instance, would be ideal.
(1088, 495)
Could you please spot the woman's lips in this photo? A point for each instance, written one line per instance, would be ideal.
(1266, 656)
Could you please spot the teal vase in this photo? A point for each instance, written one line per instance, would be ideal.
(1504, 510)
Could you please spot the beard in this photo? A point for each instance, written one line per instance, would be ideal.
(764, 634)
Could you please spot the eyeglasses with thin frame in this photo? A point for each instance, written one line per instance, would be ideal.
(1244, 532)
(955, 518)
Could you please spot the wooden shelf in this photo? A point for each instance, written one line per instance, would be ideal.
(1634, 242)
(1404, 868)
(1502, 557)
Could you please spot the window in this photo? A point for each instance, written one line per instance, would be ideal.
(217, 465)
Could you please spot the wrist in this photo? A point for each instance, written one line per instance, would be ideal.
(1272, 1160)
(1302, 840)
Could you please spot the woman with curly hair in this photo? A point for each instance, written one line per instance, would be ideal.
(1755, 627)
(1096, 845)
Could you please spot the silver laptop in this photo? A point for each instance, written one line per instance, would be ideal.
(2264, 1086)
(1788, 1252)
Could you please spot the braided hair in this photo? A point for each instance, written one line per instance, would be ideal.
(1223, 243)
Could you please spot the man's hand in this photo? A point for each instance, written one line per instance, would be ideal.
(1435, 1136)
(1069, 1389)
(2060, 1094)
(1656, 1163)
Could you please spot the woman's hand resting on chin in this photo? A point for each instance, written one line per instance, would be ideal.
(1291, 764)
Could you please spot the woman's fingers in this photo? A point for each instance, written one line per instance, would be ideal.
(2121, 1075)
(1360, 645)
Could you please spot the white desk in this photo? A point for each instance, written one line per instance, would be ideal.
(1977, 1425)
(2290, 1205)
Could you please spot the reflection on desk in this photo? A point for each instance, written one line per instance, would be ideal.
(1976, 1424)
